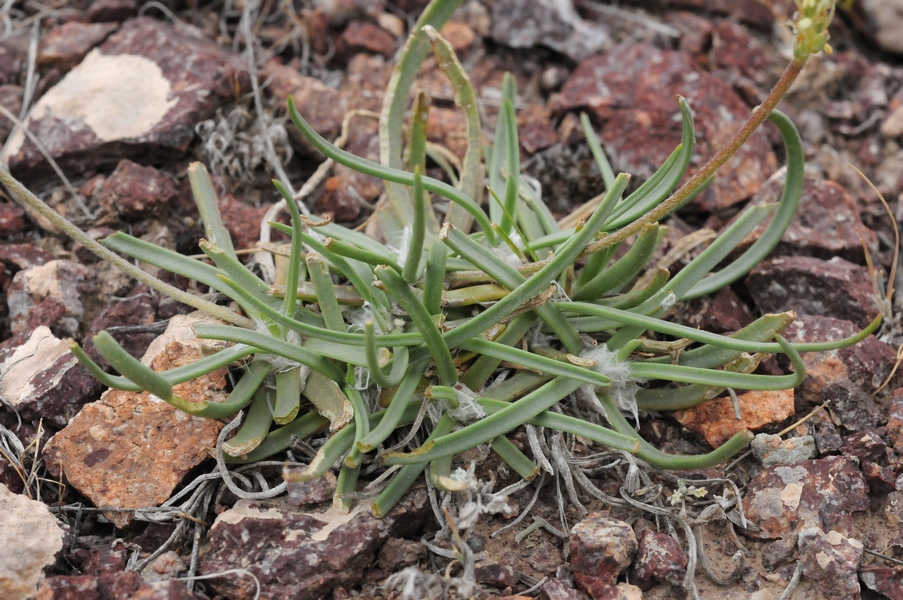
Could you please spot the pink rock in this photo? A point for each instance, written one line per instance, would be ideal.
(365, 37)
(601, 548)
(65, 46)
(48, 294)
(133, 191)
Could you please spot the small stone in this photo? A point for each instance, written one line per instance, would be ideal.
(865, 445)
(835, 288)
(695, 34)
(241, 220)
(660, 559)
(721, 312)
(600, 548)
(168, 565)
(398, 553)
(134, 191)
(366, 77)
(892, 126)
(130, 449)
(777, 554)
(460, 35)
(773, 450)
(448, 127)
(716, 421)
(881, 479)
(887, 581)
(882, 22)
(12, 59)
(893, 510)
(30, 538)
(497, 576)
(103, 558)
(65, 46)
(631, 91)
(298, 554)
(895, 421)
(736, 51)
(552, 23)
(42, 379)
(827, 222)
(17, 257)
(827, 439)
(534, 129)
(127, 585)
(12, 220)
(112, 10)
(556, 589)
(339, 199)
(311, 492)
(831, 560)
(167, 82)
(11, 100)
(365, 37)
(320, 105)
(49, 294)
(545, 558)
(784, 499)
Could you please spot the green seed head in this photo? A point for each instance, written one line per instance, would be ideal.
(810, 26)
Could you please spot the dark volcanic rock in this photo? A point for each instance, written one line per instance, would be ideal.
(631, 91)
(721, 312)
(127, 585)
(865, 445)
(112, 10)
(166, 82)
(241, 220)
(65, 46)
(660, 559)
(600, 549)
(783, 500)
(831, 561)
(835, 288)
(297, 554)
(133, 191)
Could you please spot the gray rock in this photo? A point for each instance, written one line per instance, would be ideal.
(773, 450)
(551, 23)
(30, 538)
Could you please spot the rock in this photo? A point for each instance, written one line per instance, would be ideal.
(360, 36)
(887, 581)
(772, 450)
(881, 480)
(448, 127)
(497, 576)
(734, 50)
(782, 500)
(777, 554)
(556, 589)
(12, 59)
(827, 222)
(241, 220)
(311, 492)
(398, 553)
(42, 378)
(882, 22)
(600, 548)
(48, 294)
(695, 34)
(893, 510)
(112, 10)
(827, 439)
(660, 559)
(16, 257)
(103, 558)
(320, 105)
(631, 91)
(460, 35)
(12, 220)
(168, 565)
(831, 561)
(134, 191)
(30, 538)
(865, 445)
(716, 421)
(11, 100)
(167, 81)
(895, 421)
(551, 23)
(545, 558)
(534, 129)
(845, 377)
(137, 308)
(301, 555)
(127, 585)
(835, 288)
(721, 312)
(65, 46)
(365, 80)
(130, 449)
(339, 199)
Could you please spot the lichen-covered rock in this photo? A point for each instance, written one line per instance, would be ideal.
(49, 294)
(887, 581)
(773, 450)
(601, 548)
(130, 449)
(865, 445)
(835, 288)
(831, 560)
(631, 91)
(552, 23)
(30, 539)
(716, 420)
(42, 378)
(166, 81)
(300, 555)
(127, 585)
(660, 559)
(782, 500)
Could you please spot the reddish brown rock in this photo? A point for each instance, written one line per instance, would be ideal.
(84, 255)
(827, 222)
(127, 585)
(339, 199)
(835, 288)
(297, 554)
(16, 257)
(241, 220)
(865, 445)
(112, 10)
(783, 500)
(136, 309)
(740, 54)
(365, 37)
(42, 378)
(827, 439)
(777, 554)
(556, 25)
(895, 421)
(167, 82)
(11, 100)
(880, 479)
(534, 129)
(12, 221)
(721, 312)
(716, 421)
(756, 12)
(398, 553)
(129, 449)
(448, 127)
(311, 492)
(831, 560)
(49, 294)
(601, 548)
(133, 191)
(365, 80)
(320, 105)
(887, 581)
(65, 46)
(497, 576)
(660, 559)
(461, 36)
(103, 558)
(631, 91)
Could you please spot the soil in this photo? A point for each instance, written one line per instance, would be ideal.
(335, 57)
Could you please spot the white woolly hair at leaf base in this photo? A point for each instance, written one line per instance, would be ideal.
(357, 317)
(506, 253)
(407, 234)
(478, 499)
(467, 411)
(669, 300)
(361, 378)
(623, 386)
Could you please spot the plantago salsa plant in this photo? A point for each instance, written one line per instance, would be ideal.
(484, 330)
